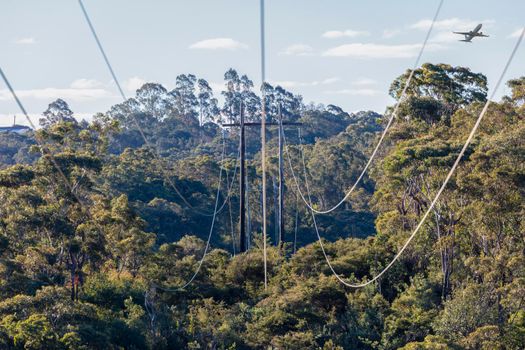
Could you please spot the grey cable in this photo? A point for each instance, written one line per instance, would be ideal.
(231, 219)
(383, 134)
(83, 205)
(45, 151)
(108, 64)
(135, 120)
(201, 261)
(230, 187)
(438, 194)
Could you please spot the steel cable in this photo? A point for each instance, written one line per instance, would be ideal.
(135, 120)
(438, 194)
(309, 204)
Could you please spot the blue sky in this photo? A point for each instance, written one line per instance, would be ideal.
(331, 51)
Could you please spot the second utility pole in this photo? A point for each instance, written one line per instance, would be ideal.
(242, 186)
(281, 181)
(242, 181)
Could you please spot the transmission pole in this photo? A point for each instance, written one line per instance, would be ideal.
(242, 181)
(281, 180)
(242, 186)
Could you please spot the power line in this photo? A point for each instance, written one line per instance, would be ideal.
(231, 219)
(85, 208)
(216, 212)
(43, 148)
(383, 134)
(230, 187)
(108, 64)
(229, 190)
(136, 121)
(438, 194)
(45, 151)
(201, 261)
(159, 158)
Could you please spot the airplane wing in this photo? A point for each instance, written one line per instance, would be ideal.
(472, 34)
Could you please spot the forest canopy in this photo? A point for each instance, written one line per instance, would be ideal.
(98, 264)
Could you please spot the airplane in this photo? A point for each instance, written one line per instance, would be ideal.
(472, 34)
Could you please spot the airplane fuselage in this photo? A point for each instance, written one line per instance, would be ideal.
(478, 27)
(472, 34)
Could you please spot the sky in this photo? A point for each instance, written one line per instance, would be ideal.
(342, 52)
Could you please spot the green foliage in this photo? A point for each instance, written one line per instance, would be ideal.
(107, 274)
(32, 333)
(518, 89)
(15, 149)
(16, 176)
(468, 309)
(411, 314)
(451, 85)
(431, 342)
(436, 91)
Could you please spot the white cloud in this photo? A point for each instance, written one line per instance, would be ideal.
(7, 119)
(84, 83)
(218, 44)
(330, 80)
(360, 87)
(445, 27)
(287, 84)
(79, 90)
(516, 33)
(364, 82)
(25, 41)
(134, 83)
(369, 50)
(390, 33)
(445, 37)
(354, 92)
(54, 93)
(334, 34)
(297, 50)
(455, 23)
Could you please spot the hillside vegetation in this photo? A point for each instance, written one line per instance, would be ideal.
(105, 272)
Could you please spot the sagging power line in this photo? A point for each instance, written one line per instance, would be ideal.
(437, 196)
(207, 246)
(308, 203)
(47, 153)
(263, 124)
(135, 119)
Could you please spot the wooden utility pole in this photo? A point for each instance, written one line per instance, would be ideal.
(242, 181)
(281, 180)
(242, 186)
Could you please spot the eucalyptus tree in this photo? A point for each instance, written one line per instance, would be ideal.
(208, 105)
(186, 101)
(154, 100)
(439, 89)
(231, 94)
(57, 112)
